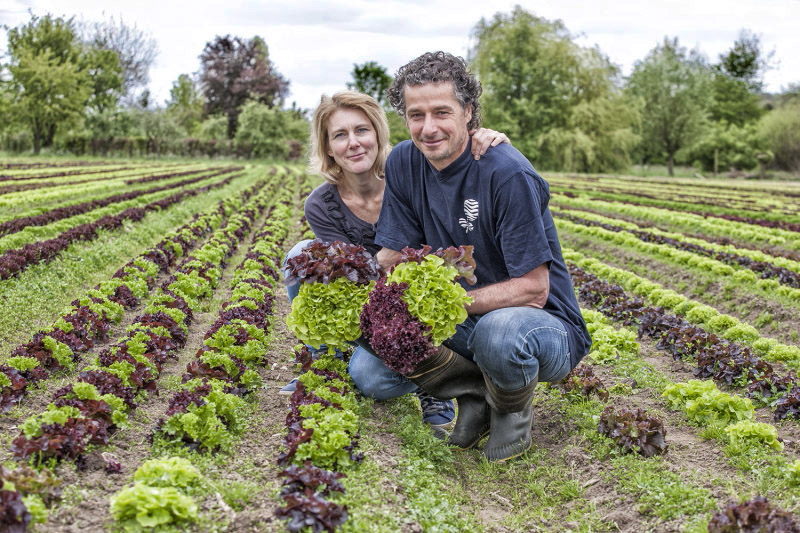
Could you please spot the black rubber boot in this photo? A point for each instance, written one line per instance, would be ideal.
(446, 375)
(511, 421)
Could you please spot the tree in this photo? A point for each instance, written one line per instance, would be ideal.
(673, 87)
(48, 83)
(727, 146)
(234, 71)
(540, 88)
(732, 101)
(781, 130)
(136, 51)
(372, 79)
(737, 81)
(745, 61)
(267, 131)
(185, 103)
(105, 74)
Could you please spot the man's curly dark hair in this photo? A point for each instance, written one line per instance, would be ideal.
(437, 67)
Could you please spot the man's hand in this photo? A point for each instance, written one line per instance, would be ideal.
(387, 258)
(528, 290)
(483, 138)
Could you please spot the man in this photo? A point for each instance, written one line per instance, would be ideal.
(524, 325)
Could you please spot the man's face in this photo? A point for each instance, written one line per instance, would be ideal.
(437, 122)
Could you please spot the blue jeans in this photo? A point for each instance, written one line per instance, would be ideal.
(512, 346)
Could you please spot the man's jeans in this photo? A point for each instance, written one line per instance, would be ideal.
(513, 346)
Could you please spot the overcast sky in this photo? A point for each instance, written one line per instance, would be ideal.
(314, 43)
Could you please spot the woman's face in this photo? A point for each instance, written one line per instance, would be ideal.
(352, 141)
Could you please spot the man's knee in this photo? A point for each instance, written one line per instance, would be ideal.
(492, 333)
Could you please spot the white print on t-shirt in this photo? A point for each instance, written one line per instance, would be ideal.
(471, 213)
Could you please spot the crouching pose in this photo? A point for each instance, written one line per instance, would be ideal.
(524, 324)
(349, 145)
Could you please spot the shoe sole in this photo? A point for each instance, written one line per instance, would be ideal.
(509, 457)
(485, 431)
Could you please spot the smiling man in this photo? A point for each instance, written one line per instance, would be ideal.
(524, 324)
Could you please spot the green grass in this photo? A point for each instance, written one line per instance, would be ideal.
(425, 494)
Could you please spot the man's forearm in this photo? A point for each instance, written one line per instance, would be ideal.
(530, 290)
(387, 258)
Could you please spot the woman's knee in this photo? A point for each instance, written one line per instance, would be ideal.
(295, 251)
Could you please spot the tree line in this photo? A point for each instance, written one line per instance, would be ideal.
(566, 107)
(81, 88)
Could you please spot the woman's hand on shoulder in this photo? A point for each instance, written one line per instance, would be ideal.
(483, 138)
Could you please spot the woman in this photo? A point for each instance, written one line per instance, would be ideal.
(349, 146)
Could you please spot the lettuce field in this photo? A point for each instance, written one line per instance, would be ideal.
(144, 338)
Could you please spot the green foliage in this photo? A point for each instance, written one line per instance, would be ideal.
(142, 508)
(211, 425)
(398, 132)
(608, 343)
(780, 129)
(200, 425)
(370, 78)
(673, 88)
(54, 77)
(105, 76)
(60, 352)
(556, 100)
(266, 131)
(185, 103)
(793, 472)
(191, 286)
(432, 295)
(328, 313)
(224, 340)
(213, 128)
(732, 101)
(748, 433)
(745, 61)
(168, 472)
(735, 146)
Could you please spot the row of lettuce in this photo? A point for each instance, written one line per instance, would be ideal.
(83, 207)
(35, 245)
(208, 411)
(775, 208)
(688, 223)
(727, 416)
(97, 403)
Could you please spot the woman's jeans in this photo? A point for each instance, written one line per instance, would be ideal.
(512, 346)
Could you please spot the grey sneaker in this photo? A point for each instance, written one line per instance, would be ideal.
(437, 414)
(289, 388)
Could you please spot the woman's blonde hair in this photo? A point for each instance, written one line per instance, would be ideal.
(319, 160)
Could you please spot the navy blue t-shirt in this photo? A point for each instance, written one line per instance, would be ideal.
(497, 204)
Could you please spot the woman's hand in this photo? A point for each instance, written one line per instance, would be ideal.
(483, 138)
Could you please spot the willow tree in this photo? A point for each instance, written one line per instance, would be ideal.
(559, 102)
